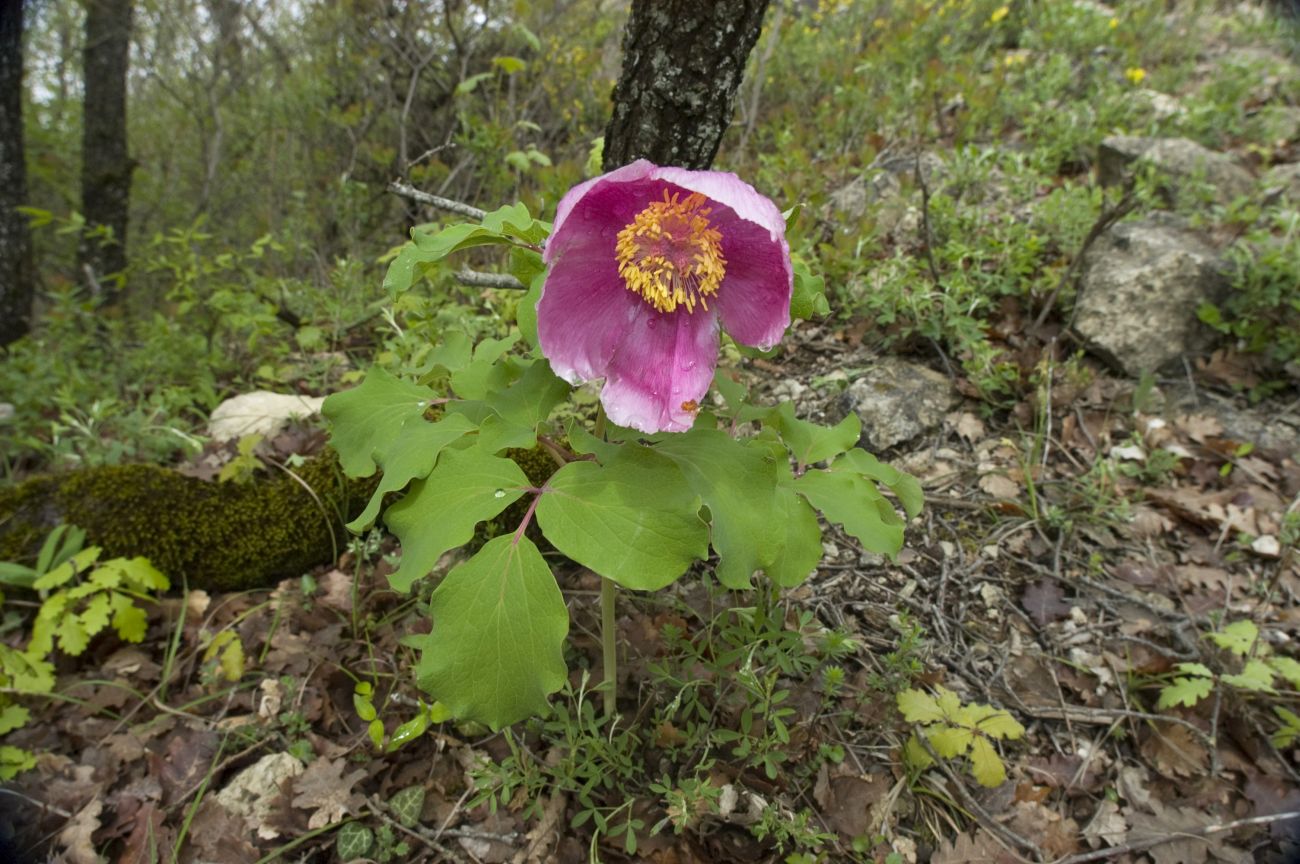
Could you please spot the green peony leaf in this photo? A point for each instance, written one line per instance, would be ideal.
(440, 511)
(738, 483)
(1184, 691)
(950, 741)
(407, 804)
(484, 374)
(634, 520)
(849, 499)
(526, 310)
(800, 545)
(809, 295)
(1237, 637)
(527, 402)
(411, 456)
(905, 486)
(368, 418)
(353, 841)
(497, 647)
(986, 766)
(809, 442)
(917, 706)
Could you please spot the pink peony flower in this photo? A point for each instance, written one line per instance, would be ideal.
(641, 265)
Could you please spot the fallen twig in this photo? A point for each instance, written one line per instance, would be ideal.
(1152, 842)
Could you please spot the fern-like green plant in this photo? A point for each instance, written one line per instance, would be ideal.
(81, 601)
(1260, 669)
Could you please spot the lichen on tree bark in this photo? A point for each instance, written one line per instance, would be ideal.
(683, 61)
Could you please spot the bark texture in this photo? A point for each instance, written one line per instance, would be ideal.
(683, 61)
(105, 166)
(17, 280)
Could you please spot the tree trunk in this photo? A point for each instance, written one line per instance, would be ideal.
(17, 281)
(105, 166)
(682, 65)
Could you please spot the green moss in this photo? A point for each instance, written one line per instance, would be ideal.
(216, 535)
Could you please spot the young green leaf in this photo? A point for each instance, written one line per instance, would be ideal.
(1184, 691)
(1255, 675)
(986, 766)
(1237, 637)
(917, 706)
(497, 647)
(950, 741)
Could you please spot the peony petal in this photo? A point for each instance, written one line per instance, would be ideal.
(754, 297)
(584, 312)
(638, 170)
(732, 192)
(663, 367)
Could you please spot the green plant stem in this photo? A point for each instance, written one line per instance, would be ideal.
(610, 683)
(607, 588)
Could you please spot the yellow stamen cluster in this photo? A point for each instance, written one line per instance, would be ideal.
(670, 255)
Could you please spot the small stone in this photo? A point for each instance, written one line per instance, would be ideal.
(898, 401)
(1266, 545)
(1141, 285)
(1179, 160)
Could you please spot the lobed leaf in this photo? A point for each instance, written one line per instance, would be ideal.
(411, 456)
(852, 501)
(809, 442)
(368, 418)
(917, 706)
(986, 765)
(439, 512)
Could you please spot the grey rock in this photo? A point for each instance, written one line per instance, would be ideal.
(1140, 287)
(1269, 73)
(1178, 159)
(1161, 106)
(1275, 124)
(898, 401)
(1272, 427)
(7, 412)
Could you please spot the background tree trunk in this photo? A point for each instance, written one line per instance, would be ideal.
(105, 166)
(682, 65)
(17, 280)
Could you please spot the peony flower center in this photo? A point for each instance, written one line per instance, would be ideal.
(670, 255)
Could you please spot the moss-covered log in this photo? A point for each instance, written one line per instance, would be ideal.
(218, 536)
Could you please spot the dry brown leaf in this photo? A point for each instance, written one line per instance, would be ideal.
(75, 838)
(999, 486)
(1199, 427)
(1045, 602)
(1107, 825)
(150, 840)
(1181, 843)
(187, 758)
(1174, 751)
(218, 836)
(977, 848)
(336, 590)
(324, 789)
(852, 806)
(1056, 835)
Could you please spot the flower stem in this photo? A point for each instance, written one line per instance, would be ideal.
(608, 644)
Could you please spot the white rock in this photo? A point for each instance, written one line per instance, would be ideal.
(898, 401)
(259, 413)
(252, 791)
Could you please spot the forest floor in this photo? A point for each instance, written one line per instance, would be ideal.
(1068, 559)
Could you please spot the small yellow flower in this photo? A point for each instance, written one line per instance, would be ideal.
(1114, 23)
(1135, 74)
(999, 13)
